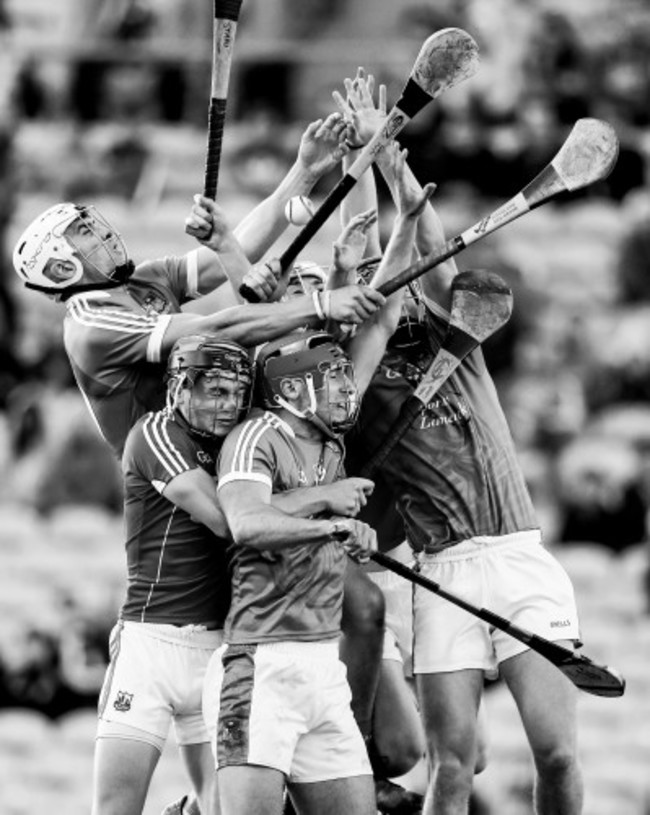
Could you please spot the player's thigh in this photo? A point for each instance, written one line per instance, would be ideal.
(546, 700)
(449, 704)
(363, 602)
(251, 790)
(199, 763)
(343, 795)
(122, 774)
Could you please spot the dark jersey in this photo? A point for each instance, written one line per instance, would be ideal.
(455, 474)
(294, 593)
(177, 569)
(113, 340)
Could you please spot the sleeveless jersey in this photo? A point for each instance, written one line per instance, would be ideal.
(455, 473)
(113, 341)
(177, 568)
(293, 593)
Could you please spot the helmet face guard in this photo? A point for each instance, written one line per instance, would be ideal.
(410, 331)
(209, 384)
(49, 238)
(305, 278)
(325, 369)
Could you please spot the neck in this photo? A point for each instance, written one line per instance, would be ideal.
(301, 427)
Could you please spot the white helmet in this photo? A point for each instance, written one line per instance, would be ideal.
(44, 240)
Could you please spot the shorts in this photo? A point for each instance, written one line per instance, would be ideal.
(284, 705)
(513, 576)
(155, 677)
(398, 594)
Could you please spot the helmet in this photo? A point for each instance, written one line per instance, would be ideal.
(310, 356)
(411, 330)
(203, 372)
(367, 268)
(45, 241)
(306, 277)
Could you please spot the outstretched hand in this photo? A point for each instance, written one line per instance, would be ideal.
(322, 145)
(348, 249)
(411, 199)
(363, 118)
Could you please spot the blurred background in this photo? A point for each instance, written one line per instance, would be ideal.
(105, 102)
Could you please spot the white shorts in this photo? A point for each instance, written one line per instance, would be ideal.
(513, 576)
(398, 594)
(155, 677)
(284, 705)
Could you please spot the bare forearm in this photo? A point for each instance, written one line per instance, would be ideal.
(304, 502)
(259, 230)
(246, 324)
(268, 528)
(429, 237)
(362, 197)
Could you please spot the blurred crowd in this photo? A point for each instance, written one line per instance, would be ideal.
(572, 366)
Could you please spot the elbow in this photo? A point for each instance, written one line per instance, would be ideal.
(245, 532)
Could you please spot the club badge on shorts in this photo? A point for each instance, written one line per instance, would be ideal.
(123, 701)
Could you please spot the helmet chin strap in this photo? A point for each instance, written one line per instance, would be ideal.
(309, 414)
(119, 278)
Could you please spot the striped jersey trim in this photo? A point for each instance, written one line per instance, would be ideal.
(192, 286)
(154, 346)
(154, 430)
(233, 476)
(243, 457)
(111, 319)
(161, 558)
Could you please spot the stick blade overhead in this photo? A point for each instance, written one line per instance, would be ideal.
(447, 57)
(481, 303)
(588, 154)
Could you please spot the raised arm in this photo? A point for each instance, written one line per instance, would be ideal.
(321, 148)
(367, 346)
(360, 112)
(359, 100)
(349, 249)
(220, 259)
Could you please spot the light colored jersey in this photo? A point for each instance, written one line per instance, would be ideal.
(113, 340)
(177, 569)
(293, 593)
(455, 473)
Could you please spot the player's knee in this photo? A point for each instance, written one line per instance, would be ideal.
(555, 762)
(400, 754)
(454, 771)
(364, 609)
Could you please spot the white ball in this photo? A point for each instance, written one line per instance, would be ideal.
(299, 210)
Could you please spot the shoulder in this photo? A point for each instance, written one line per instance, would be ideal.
(108, 311)
(160, 271)
(261, 427)
(156, 437)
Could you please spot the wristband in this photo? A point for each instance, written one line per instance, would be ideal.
(320, 313)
